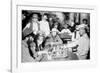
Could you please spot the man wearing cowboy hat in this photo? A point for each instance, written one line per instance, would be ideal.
(54, 38)
(84, 25)
(83, 43)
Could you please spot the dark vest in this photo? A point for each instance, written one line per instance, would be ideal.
(27, 31)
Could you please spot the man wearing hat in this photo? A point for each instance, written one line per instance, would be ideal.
(77, 35)
(54, 38)
(83, 25)
(83, 43)
(33, 26)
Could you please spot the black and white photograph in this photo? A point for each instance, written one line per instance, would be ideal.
(54, 36)
(48, 37)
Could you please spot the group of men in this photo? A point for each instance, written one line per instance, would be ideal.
(44, 36)
(37, 26)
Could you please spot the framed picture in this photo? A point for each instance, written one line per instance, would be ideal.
(52, 36)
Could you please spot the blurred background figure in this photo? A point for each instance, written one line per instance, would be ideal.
(66, 30)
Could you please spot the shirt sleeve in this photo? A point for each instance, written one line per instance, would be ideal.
(83, 50)
(72, 44)
(62, 31)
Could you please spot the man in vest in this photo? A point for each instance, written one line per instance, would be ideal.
(32, 26)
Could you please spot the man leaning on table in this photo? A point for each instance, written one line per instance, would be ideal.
(54, 38)
(83, 43)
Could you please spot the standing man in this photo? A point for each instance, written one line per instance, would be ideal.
(44, 25)
(32, 26)
(83, 43)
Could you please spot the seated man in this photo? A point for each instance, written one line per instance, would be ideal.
(35, 46)
(66, 34)
(66, 30)
(83, 43)
(40, 41)
(85, 25)
(53, 38)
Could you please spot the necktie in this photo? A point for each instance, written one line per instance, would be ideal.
(75, 34)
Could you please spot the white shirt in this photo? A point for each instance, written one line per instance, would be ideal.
(44, 27)
(83, 45)
(35, 28)
(81, 26)
(55, 29)
(65, 31)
